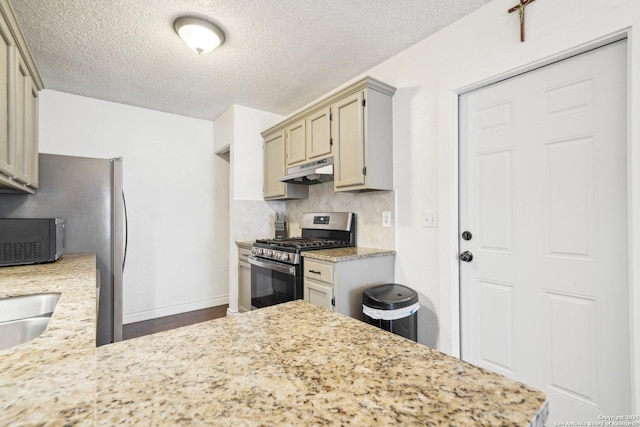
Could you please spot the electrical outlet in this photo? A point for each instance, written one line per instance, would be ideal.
(430, 219)
(386, 219)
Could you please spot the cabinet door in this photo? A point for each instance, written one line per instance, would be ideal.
(31, 132)
(319, 141)
(348, 126)
(22, 84)
(318, 294)
(244, 287)
(274, 167)
(296, 143)
(7, 142)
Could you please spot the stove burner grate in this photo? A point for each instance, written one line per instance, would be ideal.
(302, 243)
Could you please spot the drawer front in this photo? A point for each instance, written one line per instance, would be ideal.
(244, 254)
(318, 271)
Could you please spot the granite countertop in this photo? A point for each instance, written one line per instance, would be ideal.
(347, 254)
(336, 255)
(51, 379)
(248, 369)
(255, 369)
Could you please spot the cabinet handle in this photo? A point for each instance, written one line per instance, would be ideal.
(315, 272)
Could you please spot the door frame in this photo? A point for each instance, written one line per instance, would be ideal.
(448, 189)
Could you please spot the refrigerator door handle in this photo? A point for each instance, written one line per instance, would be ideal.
(126, 231)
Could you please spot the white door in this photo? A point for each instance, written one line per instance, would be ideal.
(543, 194)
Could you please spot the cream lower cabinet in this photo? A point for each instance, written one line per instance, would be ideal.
(319, 294)
(274, 169)
(338, 286)
(244, 280)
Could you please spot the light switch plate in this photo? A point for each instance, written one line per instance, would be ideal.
(429, 219)
(386, 218)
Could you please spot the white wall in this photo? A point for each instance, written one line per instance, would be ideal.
(177, 236)
(429, 76)
(250, 217)
(248, 166)
(478, 47)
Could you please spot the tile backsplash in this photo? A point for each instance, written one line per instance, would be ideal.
(367, 206)
(253, 219)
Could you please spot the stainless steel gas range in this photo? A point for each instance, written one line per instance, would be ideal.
(276, 264)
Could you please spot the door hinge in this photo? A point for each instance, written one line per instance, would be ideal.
(364, 102)
(330, 141)
(330, 117)
(364, 170)
(333, 301)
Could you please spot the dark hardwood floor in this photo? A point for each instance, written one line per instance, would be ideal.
(147, 327)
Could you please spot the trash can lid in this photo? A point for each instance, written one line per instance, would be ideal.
(389, 296)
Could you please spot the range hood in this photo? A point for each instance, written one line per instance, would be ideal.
(315, 172)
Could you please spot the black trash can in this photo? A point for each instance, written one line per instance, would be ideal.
(392, 307)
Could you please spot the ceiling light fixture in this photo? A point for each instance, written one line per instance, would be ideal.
(201, 36)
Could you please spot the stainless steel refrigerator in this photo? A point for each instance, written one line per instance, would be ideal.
(88, 194)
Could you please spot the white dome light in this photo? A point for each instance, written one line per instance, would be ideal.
(199, 35)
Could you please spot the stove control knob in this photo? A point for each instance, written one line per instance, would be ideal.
(284, 257)
(268, 253)
(256, 251)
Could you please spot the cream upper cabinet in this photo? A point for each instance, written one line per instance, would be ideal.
(296, 137)
(274, 169)
(363, 136)
(23, 149)
(355, 127)
(349, 168)
(274, 165)
(319, 141)
(309, 138)
(19, 85)
(7, 142)
(31, 131)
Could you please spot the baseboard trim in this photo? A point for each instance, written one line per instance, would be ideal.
(174, 309)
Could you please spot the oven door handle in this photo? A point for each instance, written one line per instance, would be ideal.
(270, 265)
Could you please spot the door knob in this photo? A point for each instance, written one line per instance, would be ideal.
(466, 256)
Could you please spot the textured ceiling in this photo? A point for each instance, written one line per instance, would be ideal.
(278, 54)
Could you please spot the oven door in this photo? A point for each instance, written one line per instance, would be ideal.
(274, 282)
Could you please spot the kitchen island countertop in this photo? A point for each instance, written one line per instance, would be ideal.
(257, 369)
(289, 364)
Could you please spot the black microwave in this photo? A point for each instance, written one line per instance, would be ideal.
(30, 240)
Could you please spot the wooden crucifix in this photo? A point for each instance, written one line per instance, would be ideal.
(520, 8)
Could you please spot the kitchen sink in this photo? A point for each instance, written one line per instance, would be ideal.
(26, 306)
(25, 317)
(20, 331)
